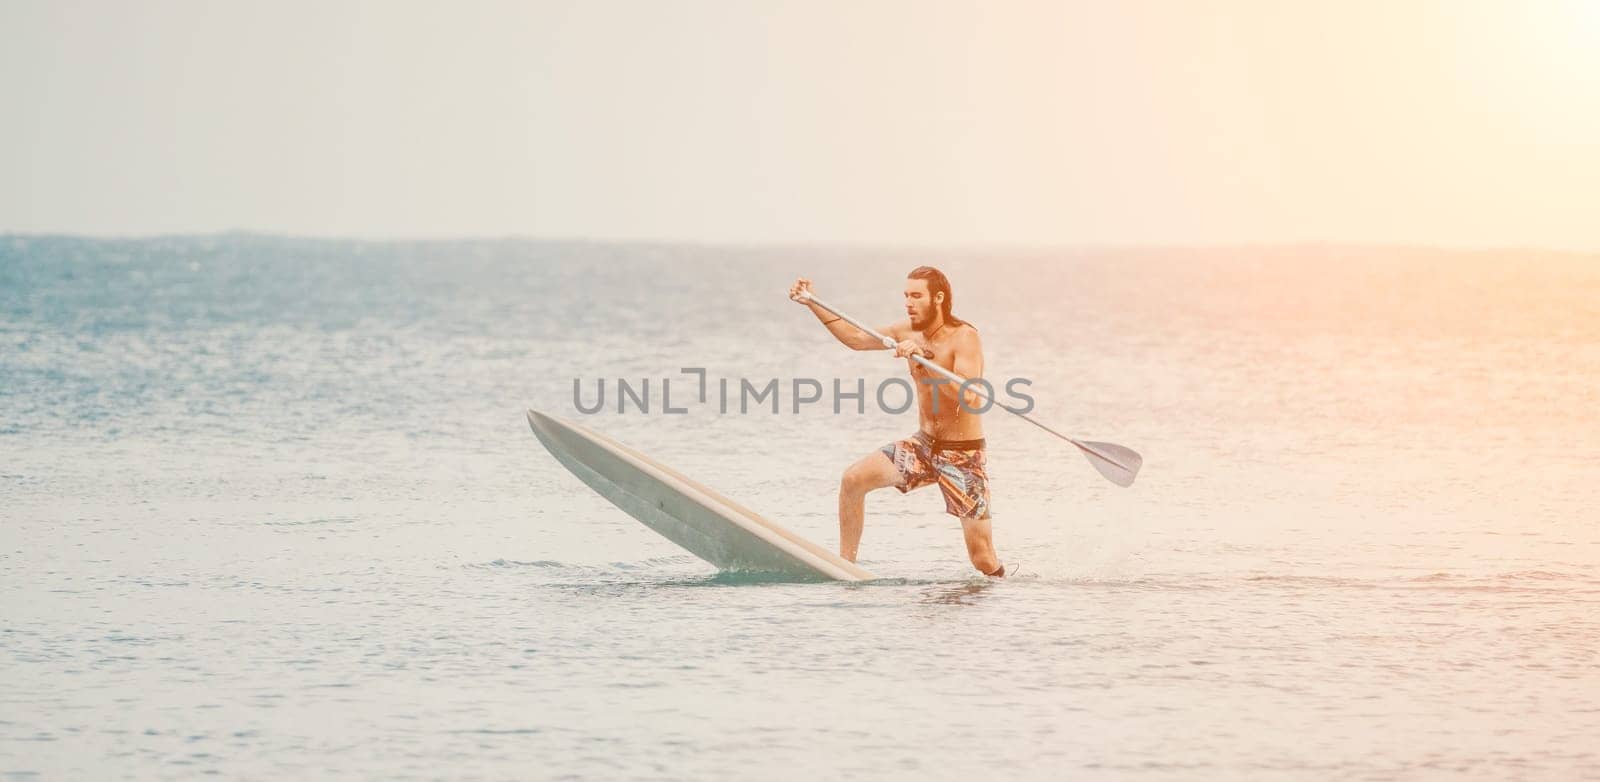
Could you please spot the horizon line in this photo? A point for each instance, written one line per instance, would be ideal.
(827, 244)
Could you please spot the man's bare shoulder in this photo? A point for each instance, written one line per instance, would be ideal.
(899, 330)
(966, 337)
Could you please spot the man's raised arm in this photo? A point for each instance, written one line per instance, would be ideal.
(848, 335)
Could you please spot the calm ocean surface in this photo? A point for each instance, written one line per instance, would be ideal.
(269, 508)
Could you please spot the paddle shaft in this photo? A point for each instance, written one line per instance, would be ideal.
(957, 379)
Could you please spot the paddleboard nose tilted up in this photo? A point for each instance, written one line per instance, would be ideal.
(705, 523)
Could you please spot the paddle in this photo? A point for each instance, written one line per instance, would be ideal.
(1120, 465)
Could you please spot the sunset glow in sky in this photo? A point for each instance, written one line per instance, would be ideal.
(1456, 123)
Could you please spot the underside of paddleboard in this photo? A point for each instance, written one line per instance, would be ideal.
(712, 527)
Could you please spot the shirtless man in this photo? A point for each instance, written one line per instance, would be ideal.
(948, 448)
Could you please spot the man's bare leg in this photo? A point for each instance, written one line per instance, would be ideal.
(870, 472)
(980, 545)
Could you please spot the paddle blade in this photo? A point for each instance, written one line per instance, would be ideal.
(1120, 465)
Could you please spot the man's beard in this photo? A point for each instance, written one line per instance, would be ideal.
(920, 321)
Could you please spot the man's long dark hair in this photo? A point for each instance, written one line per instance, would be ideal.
(938, 283)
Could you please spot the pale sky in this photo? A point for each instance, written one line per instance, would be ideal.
(1454, 122)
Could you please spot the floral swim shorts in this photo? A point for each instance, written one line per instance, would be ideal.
(957, 465)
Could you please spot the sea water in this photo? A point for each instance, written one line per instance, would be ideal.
(270, 508)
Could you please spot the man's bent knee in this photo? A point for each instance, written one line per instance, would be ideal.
(866, 475)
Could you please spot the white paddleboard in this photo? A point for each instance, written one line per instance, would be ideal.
(707, 524)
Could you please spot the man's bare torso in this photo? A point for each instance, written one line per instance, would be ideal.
(938, 413)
